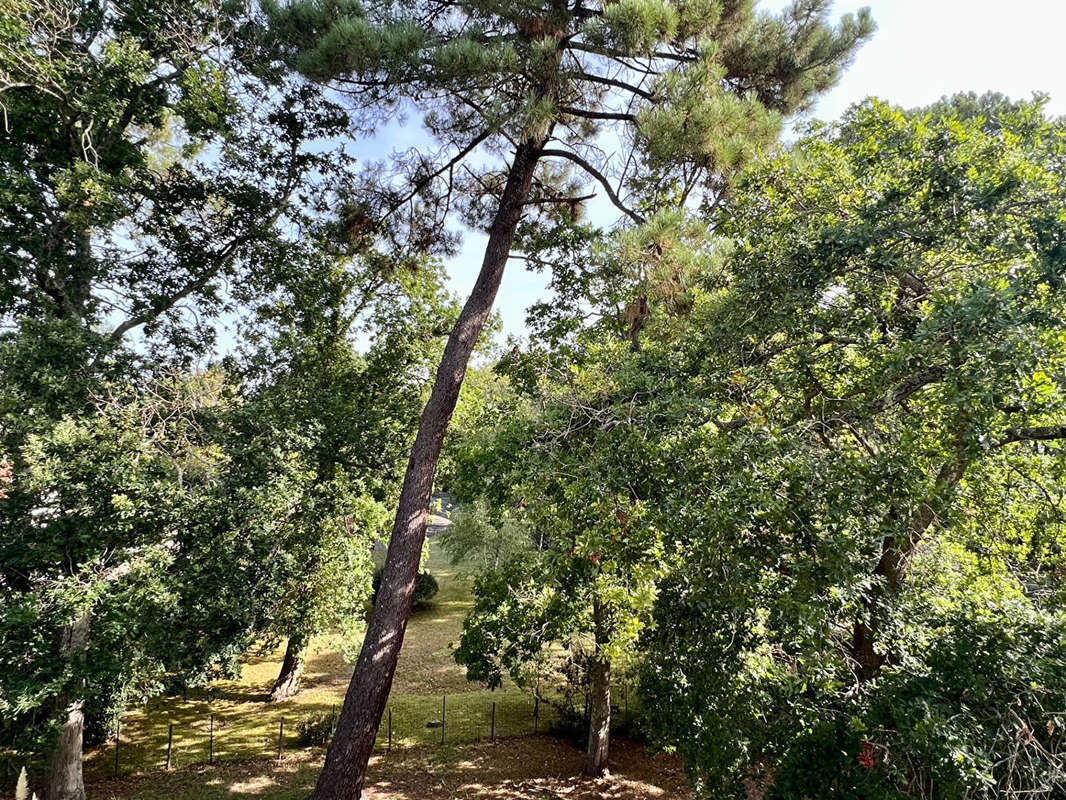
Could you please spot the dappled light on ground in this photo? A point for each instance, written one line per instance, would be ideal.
(246, 727)
(527, 768)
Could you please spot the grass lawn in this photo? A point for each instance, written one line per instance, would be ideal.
(245, 727)
(525, 768)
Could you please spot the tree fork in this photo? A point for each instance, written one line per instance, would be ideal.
(344, 773)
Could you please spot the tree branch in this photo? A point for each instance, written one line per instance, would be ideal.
(617, 84)
(1036, 434)
(540, 201)
(607, 115)
(171, 300)
(598, 176)
(459, 156)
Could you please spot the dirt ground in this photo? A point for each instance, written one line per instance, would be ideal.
(528, 768)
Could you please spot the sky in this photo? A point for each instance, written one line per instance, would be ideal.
(923, 50)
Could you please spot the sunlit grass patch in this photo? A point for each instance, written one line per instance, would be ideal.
(246, 727)
(526, 768)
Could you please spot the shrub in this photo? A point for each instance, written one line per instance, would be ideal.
(314, 729)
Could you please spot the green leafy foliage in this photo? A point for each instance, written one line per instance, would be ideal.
(331, 425)
(821, 501)
(165, 179)
(143, 168)
(854, 588)
(117, 496)
(315, 730)
(583, 580)
(476, 541)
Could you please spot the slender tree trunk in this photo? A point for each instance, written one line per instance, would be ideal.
(65, 781)
(344, 774)
(596, 752)
(292, 667)
(896, 555)
(599, 718)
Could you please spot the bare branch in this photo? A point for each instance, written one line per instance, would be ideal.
(617, 84)
(421, 184)
(606, 115)
(540, 201)
(597, 175)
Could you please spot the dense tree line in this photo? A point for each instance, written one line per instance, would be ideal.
(821, 505)
(688, 92)
(166, 186)
(784, 447)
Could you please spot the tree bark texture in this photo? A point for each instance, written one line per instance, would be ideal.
(292, 668)
(344, 773)
(65, 781)
(599, 742)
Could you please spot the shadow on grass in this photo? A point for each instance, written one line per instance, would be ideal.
(528, 768)
(246, 727)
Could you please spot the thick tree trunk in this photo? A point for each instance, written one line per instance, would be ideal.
(65, 781)
(343, 776)
(596, 751)
(292, 667)
(599, 718)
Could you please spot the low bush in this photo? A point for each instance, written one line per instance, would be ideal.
(315, 729)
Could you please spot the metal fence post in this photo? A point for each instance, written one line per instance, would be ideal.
(536, 713)
(170, 742)
(118, 735)
(443, 715)
(211, 741)
(281, 735)
(492, 725)
(388, 747)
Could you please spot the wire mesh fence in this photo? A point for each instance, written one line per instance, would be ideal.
(147, 743)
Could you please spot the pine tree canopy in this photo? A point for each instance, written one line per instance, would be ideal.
(685, 91)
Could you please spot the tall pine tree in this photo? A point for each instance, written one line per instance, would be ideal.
(648, 101)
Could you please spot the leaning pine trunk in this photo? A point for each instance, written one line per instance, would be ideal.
(292, 667)
(343, 776)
